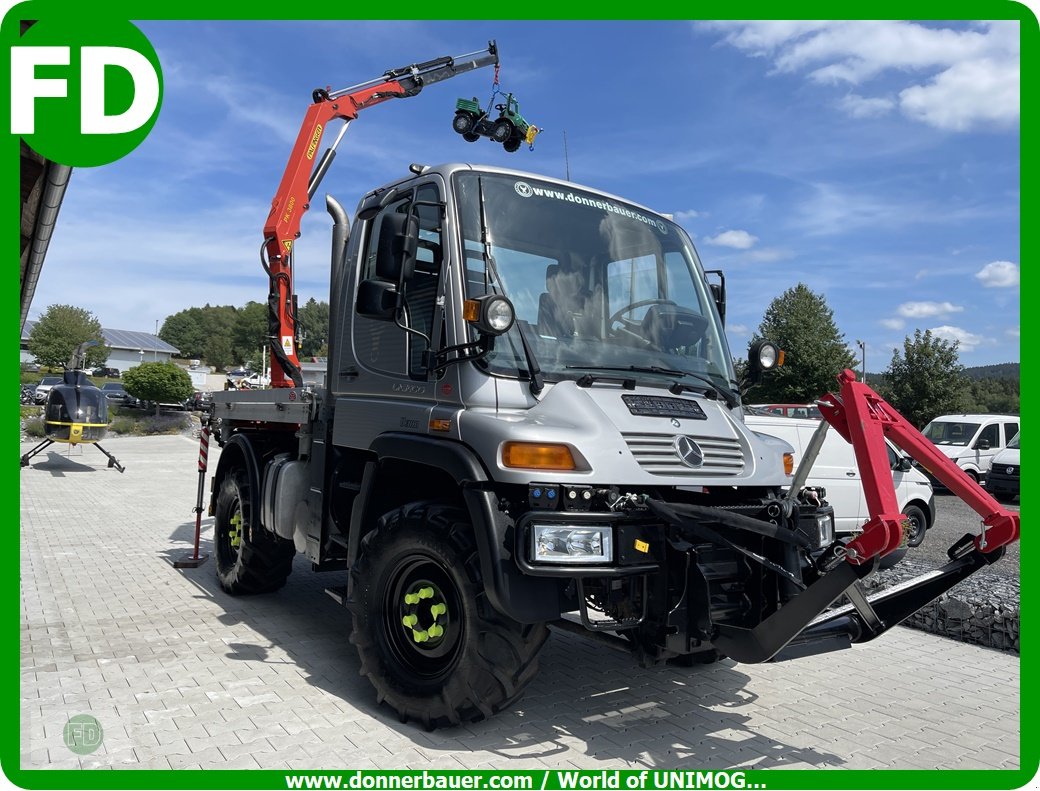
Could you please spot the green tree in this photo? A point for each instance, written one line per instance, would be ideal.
(801, 324)
(158, 382)
(314, 327)
(218, 351)
(60, 330)
(250, 333)
(927, 380)
(185, 330)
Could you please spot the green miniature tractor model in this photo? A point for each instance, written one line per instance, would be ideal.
(510, 129)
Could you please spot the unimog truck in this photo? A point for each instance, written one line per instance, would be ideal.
(531, 419)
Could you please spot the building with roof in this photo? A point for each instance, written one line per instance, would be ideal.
(128, 348)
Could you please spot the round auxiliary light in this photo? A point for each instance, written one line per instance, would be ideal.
(768, 355)
(498, 314)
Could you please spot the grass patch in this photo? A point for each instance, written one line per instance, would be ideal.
(148, 425)
(33, 427)
(31, 411)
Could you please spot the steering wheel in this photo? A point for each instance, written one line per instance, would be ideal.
(629, 325)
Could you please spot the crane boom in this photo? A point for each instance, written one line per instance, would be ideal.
(301, 178)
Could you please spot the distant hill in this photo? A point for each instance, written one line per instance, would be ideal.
(998, 371)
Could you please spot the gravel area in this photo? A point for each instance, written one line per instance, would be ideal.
(983, 609)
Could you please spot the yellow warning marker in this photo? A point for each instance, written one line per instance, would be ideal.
(642, 546)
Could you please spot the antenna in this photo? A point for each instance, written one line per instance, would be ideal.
(566, 158)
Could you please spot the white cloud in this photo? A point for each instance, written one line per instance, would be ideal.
(953, 79)
(766, 255)
(968, 340)
(1013, 332)
(927, 310)
(893, 324)
(863, 107)
(998, 274)
(966, 96)
(689, 214)
(740, 240)
(738, 329)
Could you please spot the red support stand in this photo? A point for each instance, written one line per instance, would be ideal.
(195, 559)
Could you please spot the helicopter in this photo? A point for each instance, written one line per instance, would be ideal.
(76, 412)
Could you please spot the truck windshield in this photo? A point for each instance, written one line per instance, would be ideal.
(596, 283)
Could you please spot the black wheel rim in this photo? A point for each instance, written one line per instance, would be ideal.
(230, 539)
(915, 528)
(422, 618)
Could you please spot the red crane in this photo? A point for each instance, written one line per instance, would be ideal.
(301, 178)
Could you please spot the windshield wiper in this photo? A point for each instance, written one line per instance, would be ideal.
(490, 278)
(714, 388)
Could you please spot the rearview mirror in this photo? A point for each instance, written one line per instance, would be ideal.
(377, 299)
(398, 239)
(904, 464)
(982, 444)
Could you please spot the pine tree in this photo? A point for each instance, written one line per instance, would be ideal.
(801, 324)
(927, 379)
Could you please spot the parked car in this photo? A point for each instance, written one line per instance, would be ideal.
(200, 399)
(972, 440)
(44, 387)
(110, 373)
(836, 471)
(1003, 479)
(117, 395)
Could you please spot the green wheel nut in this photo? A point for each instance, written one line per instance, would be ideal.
(439, 609)
(425, 593)
(420, 636)
(436, 631)
(410, 620)
(411, 598)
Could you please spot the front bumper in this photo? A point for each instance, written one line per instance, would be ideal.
(1000, 481)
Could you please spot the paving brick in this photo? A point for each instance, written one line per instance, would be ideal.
(183, 675)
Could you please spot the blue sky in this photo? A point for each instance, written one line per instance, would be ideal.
(876, 162)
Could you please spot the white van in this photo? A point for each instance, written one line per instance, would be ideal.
(1004, 480)
(836, 470)
(972, 440)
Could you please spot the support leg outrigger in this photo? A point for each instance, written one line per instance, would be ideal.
(802, 627)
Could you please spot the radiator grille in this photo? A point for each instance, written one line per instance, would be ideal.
(656, 454)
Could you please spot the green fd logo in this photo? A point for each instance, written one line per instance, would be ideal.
(84, 92)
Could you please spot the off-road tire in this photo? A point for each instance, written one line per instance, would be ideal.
(479, 662)
(502, 130)
(512, 144)
(261, 561)
(463, 123)
(471, 137)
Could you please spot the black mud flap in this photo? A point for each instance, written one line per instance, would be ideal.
(802, 627)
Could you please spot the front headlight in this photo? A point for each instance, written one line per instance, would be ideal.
(571, 544)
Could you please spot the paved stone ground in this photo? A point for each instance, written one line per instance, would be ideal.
(181, 675)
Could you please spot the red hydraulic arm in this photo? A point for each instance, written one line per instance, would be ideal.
(864, 418)
(301, 179)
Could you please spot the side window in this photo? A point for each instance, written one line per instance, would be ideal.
(382, 345)
(990, 434)
(1010, 429)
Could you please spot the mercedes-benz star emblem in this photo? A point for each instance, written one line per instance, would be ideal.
(688, 451)
(1010, 470)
